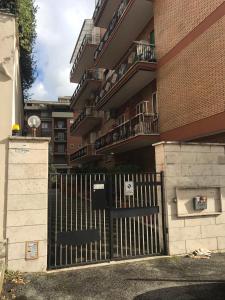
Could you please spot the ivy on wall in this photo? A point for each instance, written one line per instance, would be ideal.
(26, 16)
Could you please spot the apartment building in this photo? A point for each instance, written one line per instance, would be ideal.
(56, 120)
(152, 71)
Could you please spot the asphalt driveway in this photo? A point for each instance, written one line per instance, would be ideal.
(156, 279)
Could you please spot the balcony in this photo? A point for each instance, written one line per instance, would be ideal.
(135, 71)
(60, 152)
(104, 12)
(127, 23)
(60, 140)
(46, 132)
(85, 57)
(86, 121)
(85, 154)
(138, 132)
(8, 6)
(89, 84)
(60, 126)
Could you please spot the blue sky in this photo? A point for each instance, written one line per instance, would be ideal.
(58, 26)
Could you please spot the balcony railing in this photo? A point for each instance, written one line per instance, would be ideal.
(139, 52)
(88, 39)
(117, 15)
(60, 140)
(60, 151)
(8, 6)
(142, 124)
(98, 7)
(60, 126)
(85, 151)
(87, 112)
(88, 75)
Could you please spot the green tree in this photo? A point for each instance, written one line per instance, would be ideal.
(26, 16)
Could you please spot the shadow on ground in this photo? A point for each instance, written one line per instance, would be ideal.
(209, 291)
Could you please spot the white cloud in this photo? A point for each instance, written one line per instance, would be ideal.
(58, 27)
(39, 91)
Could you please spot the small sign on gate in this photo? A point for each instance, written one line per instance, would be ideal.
(129, 188)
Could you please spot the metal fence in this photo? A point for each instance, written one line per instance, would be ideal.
(94, 218)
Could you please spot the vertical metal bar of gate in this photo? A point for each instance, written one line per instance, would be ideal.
(164, 229)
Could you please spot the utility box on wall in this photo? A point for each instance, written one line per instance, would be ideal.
(200, 202)
(99, 195)
(207, 201)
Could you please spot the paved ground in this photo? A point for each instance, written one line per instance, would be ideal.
(164, 278)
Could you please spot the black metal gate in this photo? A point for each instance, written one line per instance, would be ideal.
(101, 217)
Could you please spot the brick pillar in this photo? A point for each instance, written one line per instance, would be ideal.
(192, 169)
(27, 203)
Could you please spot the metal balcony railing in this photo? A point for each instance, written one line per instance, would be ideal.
(117, 15)
(139, 52)
(85, 151)
(8, 6)
(88, 75)
(142, 124)
(88, 111)
(60, 151)
(60, 139)
(60, 125)
(88, 39)
(98, 8)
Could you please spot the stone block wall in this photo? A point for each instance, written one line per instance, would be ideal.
(192, 169)
(27, 202)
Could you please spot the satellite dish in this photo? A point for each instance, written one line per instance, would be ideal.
(34, 122)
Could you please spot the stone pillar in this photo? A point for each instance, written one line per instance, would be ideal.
(27, 204)
(190, 170)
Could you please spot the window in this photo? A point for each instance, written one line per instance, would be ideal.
(121, 119)
(44, 125)
(152, 38)
(142, 107)
(60, 136)
(107, 115)
(61, 124)
(44, 114)
(154, 103)
(61, 148)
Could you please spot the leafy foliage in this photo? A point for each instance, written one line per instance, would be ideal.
(26, 11)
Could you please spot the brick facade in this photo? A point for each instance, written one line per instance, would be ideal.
(190, 84)
(175, 19)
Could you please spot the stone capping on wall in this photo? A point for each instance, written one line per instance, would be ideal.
(29, 138)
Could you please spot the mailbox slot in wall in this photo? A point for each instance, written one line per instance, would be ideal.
(99, 195)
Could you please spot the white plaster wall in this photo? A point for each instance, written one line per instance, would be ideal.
(11, 104)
